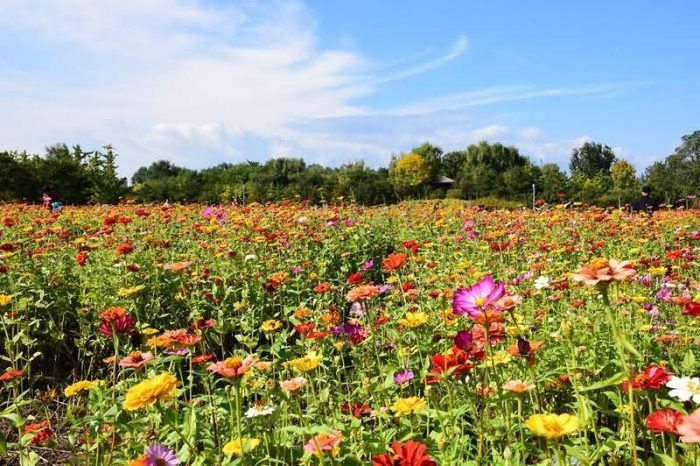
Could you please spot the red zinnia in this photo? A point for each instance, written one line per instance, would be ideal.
(81, 258)
(322, 288)
(42, 429)
(358, 410)
(691, 309)
(412, 453)
(456, 362)
(665, 420)
(354, 278)
(653, 378)
(116, 319)
(11, 374)
(124, 249)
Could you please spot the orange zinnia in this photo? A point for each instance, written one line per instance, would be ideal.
(604, 271)
(362, 293)
(394, 261)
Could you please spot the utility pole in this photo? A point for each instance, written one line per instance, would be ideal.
(533, 196)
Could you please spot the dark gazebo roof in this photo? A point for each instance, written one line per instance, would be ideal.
(442, 181)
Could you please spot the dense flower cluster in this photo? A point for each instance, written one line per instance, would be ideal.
(421, 334)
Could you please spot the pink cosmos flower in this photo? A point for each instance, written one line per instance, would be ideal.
(478, 297)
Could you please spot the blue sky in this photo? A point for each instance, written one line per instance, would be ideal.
(204, 82)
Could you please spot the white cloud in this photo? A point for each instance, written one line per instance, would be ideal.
(200, 84)
(458, 49)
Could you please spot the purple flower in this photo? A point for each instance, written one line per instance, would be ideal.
(646, 280)
(464, 340)
(207, 212)
(350, 329)
(367, 265)
(158, 455)
(478, 297)
(472, 235)
(383, 289)
(523, 347)
(296, 270)
(521, 278)
(403, 377)
(664, 294)
(356, 310)
(349, 222)
(179, 352)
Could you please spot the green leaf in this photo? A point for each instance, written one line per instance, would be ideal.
(666, 460)
(3, 445)
(613, 380)
(689, 362)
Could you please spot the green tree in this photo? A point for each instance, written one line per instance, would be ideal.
(624, 181)
(591, 159)
(552, 182)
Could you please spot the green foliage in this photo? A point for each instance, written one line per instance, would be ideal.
(480, 170)
(592, 159)
(679, 175)
(78, 177)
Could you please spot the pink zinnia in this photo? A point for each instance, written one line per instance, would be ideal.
(324, 442)
(689, 428)
(136, 359)
(477, 298)
(233, 367)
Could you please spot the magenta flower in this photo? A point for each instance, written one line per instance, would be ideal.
(158, 455)
(478, 297)
(403, 377)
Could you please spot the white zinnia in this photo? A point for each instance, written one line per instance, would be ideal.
(542, 282)
(257, 410)
(685, 388)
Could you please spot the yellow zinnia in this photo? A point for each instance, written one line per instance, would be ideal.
(409, 405)
(552, 426)
(5, 300)
(125, 292)
(271, 325)
(239, 446)
(307, 363)
(414, 319)
(78, 387)
(161, 387)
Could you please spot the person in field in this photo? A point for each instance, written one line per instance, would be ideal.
(51, 201)
(645, 203)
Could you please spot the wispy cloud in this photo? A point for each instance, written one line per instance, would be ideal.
(506, 93)
(458, 49)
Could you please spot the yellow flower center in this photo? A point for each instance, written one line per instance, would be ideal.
(479, 301)
(233, 363)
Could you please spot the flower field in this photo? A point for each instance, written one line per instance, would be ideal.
(411, 335)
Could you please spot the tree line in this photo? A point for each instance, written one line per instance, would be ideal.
(481, 171)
